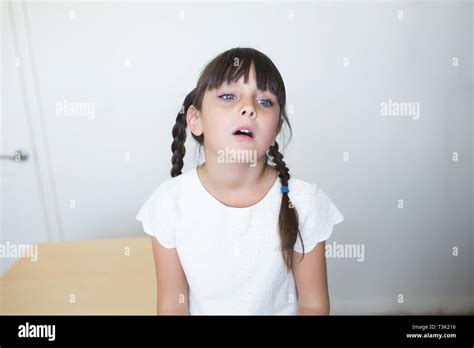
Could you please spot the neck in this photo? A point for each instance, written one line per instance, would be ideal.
(234, 176)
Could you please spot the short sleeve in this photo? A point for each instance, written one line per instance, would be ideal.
(158, 216)
(320, 221)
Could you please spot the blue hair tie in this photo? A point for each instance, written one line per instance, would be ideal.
(284, 189)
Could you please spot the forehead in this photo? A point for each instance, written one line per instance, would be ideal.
(250, 83)
(241, 77)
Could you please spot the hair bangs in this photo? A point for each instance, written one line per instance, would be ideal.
(231, 65)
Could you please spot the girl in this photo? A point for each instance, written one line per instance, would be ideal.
(226, 237)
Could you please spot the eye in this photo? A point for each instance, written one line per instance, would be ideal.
(223, 96)
(229, 96)
(267, 102)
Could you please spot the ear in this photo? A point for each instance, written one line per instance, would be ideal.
(280, 123)
(193, 119)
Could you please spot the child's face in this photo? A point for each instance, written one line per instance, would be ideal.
(235, 105)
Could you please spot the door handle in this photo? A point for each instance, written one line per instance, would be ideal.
(18, 156)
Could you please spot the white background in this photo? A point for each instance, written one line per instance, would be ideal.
(135, 61)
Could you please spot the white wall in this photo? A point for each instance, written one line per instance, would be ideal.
(135, 62)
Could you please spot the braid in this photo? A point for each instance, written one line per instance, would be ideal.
(288, 218)
(280, 165)
(179, 136)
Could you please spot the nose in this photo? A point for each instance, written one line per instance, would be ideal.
(249, 111)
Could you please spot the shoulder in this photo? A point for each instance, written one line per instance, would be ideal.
(165, 197)
(170, 189)
(315, 204)
(301, 190)
(311, 201)
(173, 185)
(301, 195)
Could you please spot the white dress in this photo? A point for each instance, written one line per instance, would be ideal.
(231, 256)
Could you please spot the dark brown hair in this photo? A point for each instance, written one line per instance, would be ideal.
(227, 67)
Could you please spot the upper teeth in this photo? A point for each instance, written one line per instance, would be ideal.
(244, 130)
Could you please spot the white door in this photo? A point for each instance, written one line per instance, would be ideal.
(25, 208)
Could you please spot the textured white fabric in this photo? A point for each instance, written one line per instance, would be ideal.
(231, 256)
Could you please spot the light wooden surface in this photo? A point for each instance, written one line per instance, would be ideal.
(86, 277)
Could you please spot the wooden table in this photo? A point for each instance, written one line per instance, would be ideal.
(114, 276)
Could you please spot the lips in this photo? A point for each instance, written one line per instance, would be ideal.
(244, 131)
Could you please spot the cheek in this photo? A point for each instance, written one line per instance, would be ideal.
(215, 120)
(213, 117)
(217, 128)
(271, 122)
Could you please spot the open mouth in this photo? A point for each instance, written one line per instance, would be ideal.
(244, 133)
